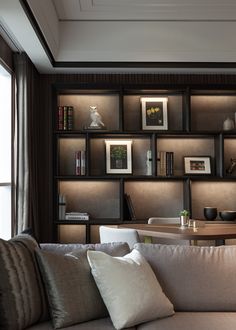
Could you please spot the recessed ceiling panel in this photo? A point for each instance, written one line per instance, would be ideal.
(145, 9)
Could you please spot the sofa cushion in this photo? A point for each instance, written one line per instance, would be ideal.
(129, 288)
(193, 321)
(72, 293)
(100, 324)
(22, 300)
(195, 278)
(114, 249)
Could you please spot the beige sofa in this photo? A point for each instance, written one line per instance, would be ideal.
(200, 282)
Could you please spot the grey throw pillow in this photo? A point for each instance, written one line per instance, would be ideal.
(22, 300)
(72, 293)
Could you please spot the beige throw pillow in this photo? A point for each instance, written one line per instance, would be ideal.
(129, 288)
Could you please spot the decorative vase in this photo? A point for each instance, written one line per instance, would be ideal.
(184, 219)
(119, 163)
(210, 213)
(228, 124)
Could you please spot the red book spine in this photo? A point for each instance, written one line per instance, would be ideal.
(77, 163)
(60, 118)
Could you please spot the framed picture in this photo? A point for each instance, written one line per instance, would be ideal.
(197, 165)
(154, 113)
(118, 156)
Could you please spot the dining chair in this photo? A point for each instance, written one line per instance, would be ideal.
(111, 234)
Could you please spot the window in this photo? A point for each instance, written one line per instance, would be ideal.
(5, 153)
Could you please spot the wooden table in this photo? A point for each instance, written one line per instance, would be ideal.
(171, 231)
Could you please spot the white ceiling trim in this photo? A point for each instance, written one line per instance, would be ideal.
(46, 17)
(145, 10)
(147, 41)
(86, 43)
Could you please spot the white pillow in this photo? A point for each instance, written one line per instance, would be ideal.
(129, 288)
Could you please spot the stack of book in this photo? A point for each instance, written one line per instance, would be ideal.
(65, 117)
(165, 163)
(80, 162)
(77, 216)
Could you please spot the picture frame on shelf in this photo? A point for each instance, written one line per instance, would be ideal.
(118, 156)
(199, 165)
(154, 113)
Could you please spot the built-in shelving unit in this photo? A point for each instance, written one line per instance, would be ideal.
(195, 129)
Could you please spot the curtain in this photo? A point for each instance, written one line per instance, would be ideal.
(26, 144)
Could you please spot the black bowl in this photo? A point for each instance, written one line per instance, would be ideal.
(210, 213)
(228, 215)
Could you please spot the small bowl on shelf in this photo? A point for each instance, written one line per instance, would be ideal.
(210, 213)
(227, 215)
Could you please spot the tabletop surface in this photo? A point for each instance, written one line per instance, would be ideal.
(174, 231)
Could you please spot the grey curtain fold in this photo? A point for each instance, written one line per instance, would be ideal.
(26, 144)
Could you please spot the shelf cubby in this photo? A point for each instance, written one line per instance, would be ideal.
(209, 111)
(220, 194)
(99, 198)
(148, 197)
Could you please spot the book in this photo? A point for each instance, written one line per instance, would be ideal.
(60, 118)
(80, 162)
(70, 113)
(165, 163)
(61, 207)
(129, 213)
(65, 117)
(83, 162)
(169, 163)
(77, 216)
(162, 163)
(65, 114)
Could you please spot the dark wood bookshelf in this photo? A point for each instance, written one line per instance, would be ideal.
(195, 128)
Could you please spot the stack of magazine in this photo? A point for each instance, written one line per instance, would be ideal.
(77, 216)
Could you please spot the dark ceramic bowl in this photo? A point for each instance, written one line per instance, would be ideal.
(228, 215)
(210, 213)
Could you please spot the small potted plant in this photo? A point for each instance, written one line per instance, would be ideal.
(184, 218)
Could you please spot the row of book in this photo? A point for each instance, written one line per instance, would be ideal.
(165, 163)
(65, 117)
(80, 162)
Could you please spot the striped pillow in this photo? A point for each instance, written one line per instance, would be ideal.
(22, 299)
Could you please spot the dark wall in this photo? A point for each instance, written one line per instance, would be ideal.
(6, 54)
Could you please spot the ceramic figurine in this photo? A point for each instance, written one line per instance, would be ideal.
(228, 124)
(96, 118)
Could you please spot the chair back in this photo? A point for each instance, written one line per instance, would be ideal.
(110, 234)
(161, 220)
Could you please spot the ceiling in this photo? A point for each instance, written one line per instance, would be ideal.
(123, 35)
